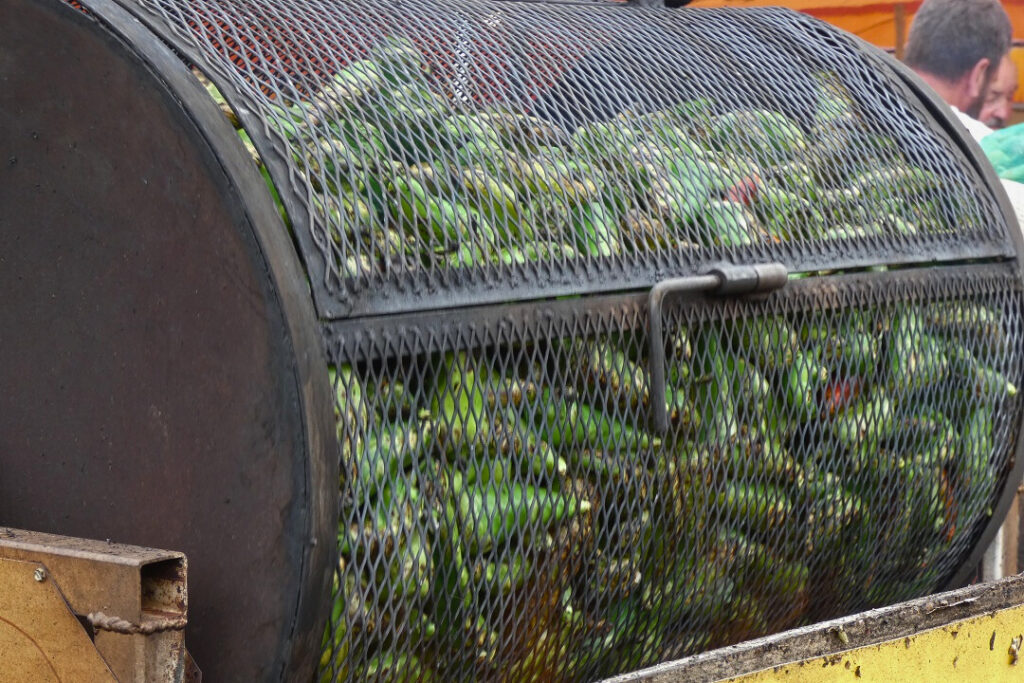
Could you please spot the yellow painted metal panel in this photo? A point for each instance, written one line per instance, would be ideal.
(40, 637)
(983, 648)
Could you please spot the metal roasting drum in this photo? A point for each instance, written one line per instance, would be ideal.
(498, 340)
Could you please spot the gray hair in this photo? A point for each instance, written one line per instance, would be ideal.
(948, 37)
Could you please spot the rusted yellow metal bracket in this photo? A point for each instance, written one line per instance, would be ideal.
(80, 610)
(972, 634)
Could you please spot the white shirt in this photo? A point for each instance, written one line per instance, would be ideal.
(1015, 191)
(976, 128)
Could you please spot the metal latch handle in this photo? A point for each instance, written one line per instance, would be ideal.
(725, 279)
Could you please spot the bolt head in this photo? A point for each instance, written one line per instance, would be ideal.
(39, 574)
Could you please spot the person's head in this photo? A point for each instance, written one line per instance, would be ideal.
(997, 108)
(956, 47)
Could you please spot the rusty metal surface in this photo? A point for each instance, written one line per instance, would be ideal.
(157, 371)
(40, 638)
(904, 620)
(134, 599)
(192, 672)
(105, 577)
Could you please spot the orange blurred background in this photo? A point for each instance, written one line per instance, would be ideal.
(884, 24)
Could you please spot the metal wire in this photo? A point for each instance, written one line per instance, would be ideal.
(436, 154)
(507, 515)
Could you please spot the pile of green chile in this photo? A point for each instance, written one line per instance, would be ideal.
(403, 179)
(516, 520)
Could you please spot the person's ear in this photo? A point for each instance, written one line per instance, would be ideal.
(977, 79)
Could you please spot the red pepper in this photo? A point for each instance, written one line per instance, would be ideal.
(840, 393)
(745, 191)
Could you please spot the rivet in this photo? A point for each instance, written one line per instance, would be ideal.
(39, 574)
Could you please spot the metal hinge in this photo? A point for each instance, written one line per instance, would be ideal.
(730, 280)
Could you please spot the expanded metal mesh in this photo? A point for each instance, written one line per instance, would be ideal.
(434, 154)
(507, 514)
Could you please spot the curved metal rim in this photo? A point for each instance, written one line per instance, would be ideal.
(317, 474)
(302, 240)
(943, 115)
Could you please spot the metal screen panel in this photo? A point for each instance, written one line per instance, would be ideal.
(508, 514)
(437, 154)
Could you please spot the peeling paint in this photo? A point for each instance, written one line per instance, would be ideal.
(935, 654)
